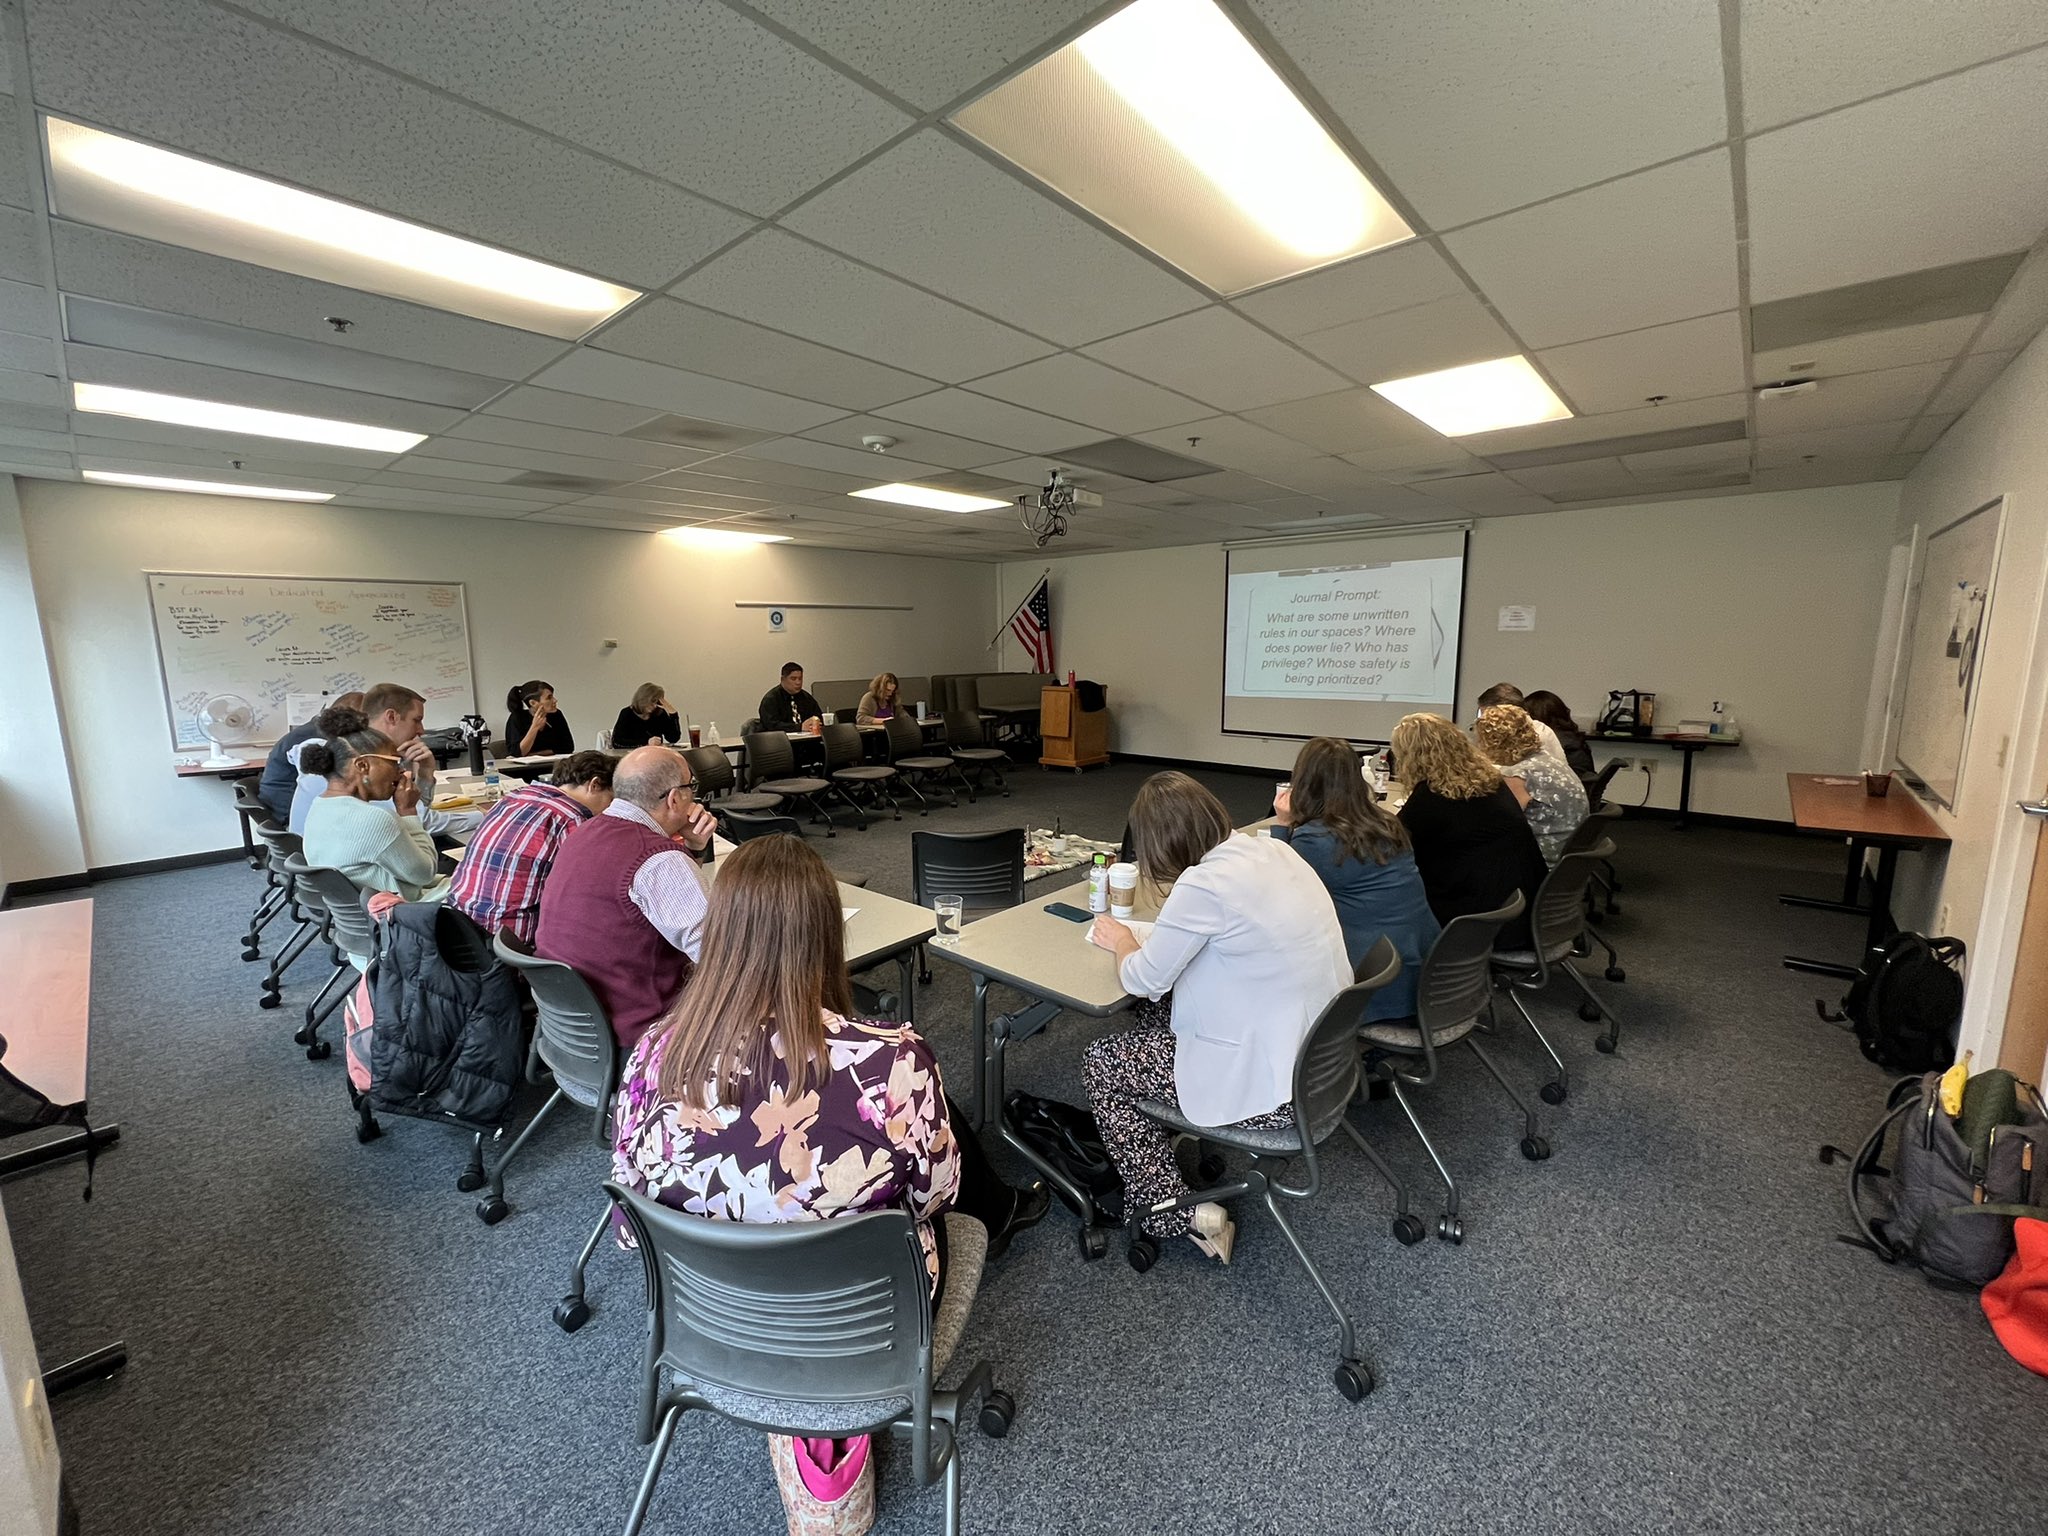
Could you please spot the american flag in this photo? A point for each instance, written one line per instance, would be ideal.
(1032, 625)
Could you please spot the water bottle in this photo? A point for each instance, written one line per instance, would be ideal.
(1098, 884)
(490, 795)
(711, 733)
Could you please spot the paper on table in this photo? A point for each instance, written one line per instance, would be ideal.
(846, 914)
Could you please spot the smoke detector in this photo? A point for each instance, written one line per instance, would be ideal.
(877, 444)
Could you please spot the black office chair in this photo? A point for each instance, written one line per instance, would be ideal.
(772, 770)
(968, 746)
(919, 765)
(1596, 786)
(284, 894)
(808, 1328)
(984, 869)
(717, 785)
(249, 806)
(860, 784)
(1326, 1077)
(1453, 993)
(1555, 926)
(1591, 836)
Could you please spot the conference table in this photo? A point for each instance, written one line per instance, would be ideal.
(1836, 804)
(1688, 745)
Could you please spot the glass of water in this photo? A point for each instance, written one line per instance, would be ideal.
(947, 911)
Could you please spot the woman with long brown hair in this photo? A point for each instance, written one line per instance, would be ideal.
(882, 701)
(1361, 855)
(1472, 844)
(1248, 947)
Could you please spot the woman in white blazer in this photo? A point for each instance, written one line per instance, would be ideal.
(1249, 949)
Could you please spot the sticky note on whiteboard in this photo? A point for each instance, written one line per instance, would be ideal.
(301, 707)
(1517, 616)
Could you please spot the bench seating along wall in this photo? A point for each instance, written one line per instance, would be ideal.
(843, 693)
(1010, 690)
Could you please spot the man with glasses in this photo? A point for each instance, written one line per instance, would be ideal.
(624, 902)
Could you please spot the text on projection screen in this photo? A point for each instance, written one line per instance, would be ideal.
(1382, 632)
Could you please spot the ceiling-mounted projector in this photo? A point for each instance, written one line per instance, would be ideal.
(1045, 515)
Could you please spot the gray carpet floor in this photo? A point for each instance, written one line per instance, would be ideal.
(1653, 1331)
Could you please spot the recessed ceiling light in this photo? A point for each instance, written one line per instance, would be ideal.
(721, 538)
(120, 183)
(1166, 122)
(203, 487)
(216, 416)
(930, 497)
(1480, 397)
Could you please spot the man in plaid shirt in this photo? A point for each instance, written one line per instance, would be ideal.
(499, 879)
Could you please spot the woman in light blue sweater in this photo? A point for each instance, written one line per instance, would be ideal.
(381, 847)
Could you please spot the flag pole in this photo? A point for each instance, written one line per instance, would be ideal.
(1005, 629)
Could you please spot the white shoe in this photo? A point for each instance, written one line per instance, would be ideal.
(1213, 1231)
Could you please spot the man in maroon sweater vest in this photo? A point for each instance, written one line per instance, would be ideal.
(624, 903)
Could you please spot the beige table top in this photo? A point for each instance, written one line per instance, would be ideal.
(46, 956)
(1047, 956)
(882, 926)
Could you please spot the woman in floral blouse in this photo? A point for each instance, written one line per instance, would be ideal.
(760, 1098)
(1551, 795)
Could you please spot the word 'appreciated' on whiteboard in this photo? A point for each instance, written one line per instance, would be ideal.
(1354, 633)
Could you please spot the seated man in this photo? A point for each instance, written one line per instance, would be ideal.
(281, 768)
(498, 882)
(624, 902)
(789, 706)
(1508, 693)
(401, 714)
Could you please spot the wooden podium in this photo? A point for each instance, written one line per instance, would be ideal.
(1068, 737)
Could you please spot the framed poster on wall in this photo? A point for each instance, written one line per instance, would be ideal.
(1945, 654)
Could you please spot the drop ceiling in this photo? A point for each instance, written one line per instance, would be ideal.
(1662, 206)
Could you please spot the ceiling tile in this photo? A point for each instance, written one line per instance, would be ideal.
(1648, 249)
(1376, 284)
(1664, 463)
(1100, 396)
(1445, 333)
(24, 309)
(790, 476)
(112, 436)
(1925, 433)
(425, 465)
(695, 94)
(1683, 361)
(1971, 379)
(224, 86)
(555, 409)
(840, 461)
(1861, 471)
(1350, 421)
(1580, 481)
(1866, 351)
(32, 389)
(402, 478)
(1790, 449)
(1475, 109)
(777, 279)
(966, 414)
(21, 245)
(512, 433)
(523, 459)
(1675, 415)
(664, 330)
(1218, 357)
(134, 370)
(609, 376)
(35, 418)
(30, 354)
(931, 210)
(27, 437)
(1417, 461)
(925, 447)
(1890, 394)
(14, 158)
(1800, 58)
(152, 461)
(2023, 307)
(1233, 443)
(1919, 179)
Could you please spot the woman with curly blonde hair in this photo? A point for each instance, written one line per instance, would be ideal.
(1549, 792)
(1472, 843)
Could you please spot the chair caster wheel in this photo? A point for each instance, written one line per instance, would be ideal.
(1143, 1252)
(1450, 1229)
(1589, 1013)
(1409, 1229)
(471, 1179)
(1616, 973)
(998, 1410)
(319, 1050)
(492, 1211)
(252, 953)
(368, 1131)
(269, 1000)
(1605, 1045)
(1094, 1243)
(1353, 1379)
(1552, 1093)
(571, 1312)
(1211, 1168)
(1535, 1148)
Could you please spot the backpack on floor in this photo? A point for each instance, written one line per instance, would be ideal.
(1069, 1139)
(1956, 1184)
(1905, 1003)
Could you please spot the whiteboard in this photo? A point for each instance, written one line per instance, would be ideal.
(268, 637)
(1945, 655)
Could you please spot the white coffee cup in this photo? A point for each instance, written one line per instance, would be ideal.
(1123, 890)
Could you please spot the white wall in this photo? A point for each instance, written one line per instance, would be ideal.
(1769, 602)
(541, 599)
(39, 834)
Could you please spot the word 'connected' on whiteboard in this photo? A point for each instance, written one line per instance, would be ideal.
(261, 638)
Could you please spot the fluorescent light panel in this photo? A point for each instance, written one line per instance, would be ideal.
(930, 497)
(1164, 121)
(216, 416)
(203, 487)
(721, 538)
(1480, 397)
(139, 189)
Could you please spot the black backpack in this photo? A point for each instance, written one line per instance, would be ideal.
(1068, 1137)
(1905, 1004)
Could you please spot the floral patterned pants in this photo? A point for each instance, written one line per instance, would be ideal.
(1120, 1069)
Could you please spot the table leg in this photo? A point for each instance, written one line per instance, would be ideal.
(906, 990)
(982, 1089)
(1879, 927)
(73, 1143)
(1852, 884)
(1685, 757)
(97, 1366)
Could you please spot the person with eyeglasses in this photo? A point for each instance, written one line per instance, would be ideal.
(625, 901)
(366, 823)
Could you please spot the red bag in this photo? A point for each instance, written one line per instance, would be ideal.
(2017, 1301)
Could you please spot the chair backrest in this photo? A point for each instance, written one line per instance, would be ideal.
(354, 930)
(769, 756)
(742, 825)
(1327, 1066)
(1560, 914)
(304, 892)
(905, 737)
(963, 729)
(1010, 690)
(279, 844)
(247, 800)
(710, 769)
(833, 1313)
(1596, 786)
(842, 746)
(986, 869)
(1456, 981)
(574, 1034)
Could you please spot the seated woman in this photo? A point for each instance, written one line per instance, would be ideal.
(336, 719)
(536, 725)
(1550, 793)
(646, 720)
(380, 847)
(1473, 846)
(881, 701)
(1547, 707)
(1361, 855)
(1248, 945)
(761, 1097)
